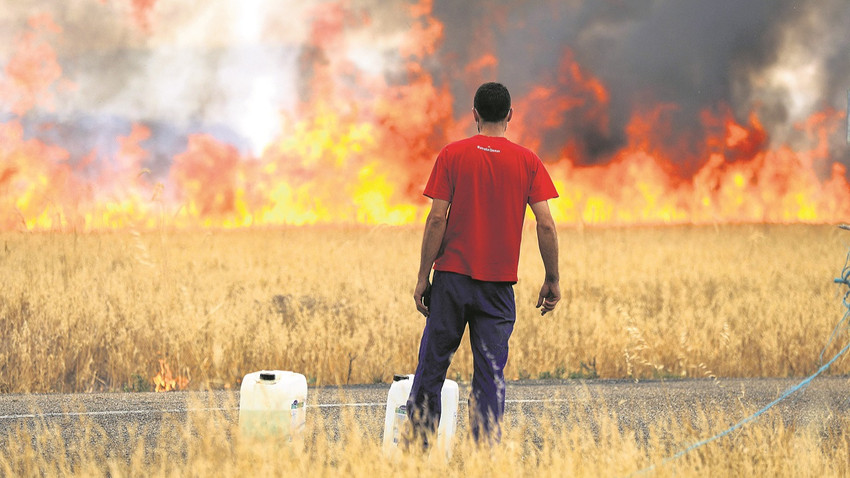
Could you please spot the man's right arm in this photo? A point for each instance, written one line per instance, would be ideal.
(432, 240)
(547, 241)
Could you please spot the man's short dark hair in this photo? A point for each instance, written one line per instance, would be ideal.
(492, 101)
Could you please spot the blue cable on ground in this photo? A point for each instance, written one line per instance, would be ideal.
(844, 279)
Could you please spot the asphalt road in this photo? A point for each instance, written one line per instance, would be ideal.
(636, 405)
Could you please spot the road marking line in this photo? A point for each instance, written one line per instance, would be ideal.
(109, 412)
(222, 409)
(341, 405)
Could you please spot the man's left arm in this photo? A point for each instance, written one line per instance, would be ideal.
(547, 241)
(432, 240)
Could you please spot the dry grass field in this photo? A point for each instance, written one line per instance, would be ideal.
(84, 312)
(109, 311)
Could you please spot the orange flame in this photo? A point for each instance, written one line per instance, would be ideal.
(358, 149)
(166, 382)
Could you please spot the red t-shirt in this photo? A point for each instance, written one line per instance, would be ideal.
(488, 181)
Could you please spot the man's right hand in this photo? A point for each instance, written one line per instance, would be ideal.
(550, 295)
(423, 288)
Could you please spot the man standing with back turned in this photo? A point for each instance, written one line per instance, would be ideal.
(480, 187)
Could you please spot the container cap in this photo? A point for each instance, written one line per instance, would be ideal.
(399, 377)
(267, 376)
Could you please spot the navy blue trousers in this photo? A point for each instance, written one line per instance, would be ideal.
(489, 308)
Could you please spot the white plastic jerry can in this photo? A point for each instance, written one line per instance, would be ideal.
(396, 415)
(272, 403)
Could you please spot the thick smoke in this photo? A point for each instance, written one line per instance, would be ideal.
(230, 67)
(785, 59)
(222, 67)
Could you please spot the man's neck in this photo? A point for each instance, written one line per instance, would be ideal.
(492, 129)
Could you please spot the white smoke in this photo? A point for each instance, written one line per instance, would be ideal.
(229, 63)
(803, 76)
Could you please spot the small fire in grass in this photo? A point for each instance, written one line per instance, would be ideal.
(165, 381)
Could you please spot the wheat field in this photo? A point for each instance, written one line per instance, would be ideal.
(107, 311)
(112, 311)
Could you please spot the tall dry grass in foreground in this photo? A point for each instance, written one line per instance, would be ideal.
(82, 312)
(590, 442)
